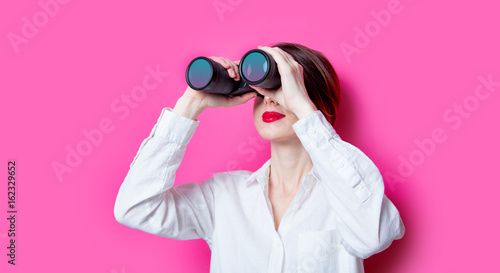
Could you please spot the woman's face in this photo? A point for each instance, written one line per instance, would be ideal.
(269, 120)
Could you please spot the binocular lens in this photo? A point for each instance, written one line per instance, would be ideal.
(200, 73)
(259, 68)
(254, 67)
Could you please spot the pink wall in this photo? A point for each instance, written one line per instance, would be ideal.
(429, 74)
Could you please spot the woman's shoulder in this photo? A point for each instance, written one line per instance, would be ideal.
(241, 178)
(232, 176)
(230, 179)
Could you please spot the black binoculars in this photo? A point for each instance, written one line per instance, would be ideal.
(257, 68)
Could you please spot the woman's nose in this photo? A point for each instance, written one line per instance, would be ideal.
(268, 100)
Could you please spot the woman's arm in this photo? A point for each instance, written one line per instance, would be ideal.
(147, 199)
(367, 220)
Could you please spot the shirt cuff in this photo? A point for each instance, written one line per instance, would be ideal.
(314, 130)
(174, 127)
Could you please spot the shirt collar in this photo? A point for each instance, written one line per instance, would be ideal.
(261, 175)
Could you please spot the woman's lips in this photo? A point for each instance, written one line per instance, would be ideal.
(271, 116)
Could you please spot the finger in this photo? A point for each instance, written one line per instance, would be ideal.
(235, 69)
(276, 54)
(264, 91)
(232, 70)
(237, 100)
(290, 60)
(221, 61)
(283, 64)
(287, 56)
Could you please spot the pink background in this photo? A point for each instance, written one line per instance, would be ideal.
(398, 87)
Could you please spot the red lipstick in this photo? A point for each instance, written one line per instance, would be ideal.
(271, 116)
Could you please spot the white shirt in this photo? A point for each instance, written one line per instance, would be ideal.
(339, 216)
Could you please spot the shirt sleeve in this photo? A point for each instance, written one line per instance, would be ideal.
(147, 199)
(367, 220)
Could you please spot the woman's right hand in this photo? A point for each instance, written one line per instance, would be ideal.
(193, 102)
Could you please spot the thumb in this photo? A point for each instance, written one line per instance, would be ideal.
(237, 100)
(262, 91)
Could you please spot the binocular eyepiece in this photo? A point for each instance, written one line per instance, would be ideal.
(257, 68)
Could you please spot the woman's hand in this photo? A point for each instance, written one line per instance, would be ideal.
(193, 102)
(292, 94)
(217, 100)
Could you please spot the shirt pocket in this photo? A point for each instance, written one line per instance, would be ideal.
(318, 251)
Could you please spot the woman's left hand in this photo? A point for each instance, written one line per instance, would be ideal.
(292, 95)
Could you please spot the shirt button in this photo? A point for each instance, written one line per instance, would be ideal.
(311, 131)
(341, 164)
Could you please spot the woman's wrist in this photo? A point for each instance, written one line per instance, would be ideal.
(305, 110)
(189, 107)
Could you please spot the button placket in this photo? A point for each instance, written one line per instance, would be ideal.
(276, 259)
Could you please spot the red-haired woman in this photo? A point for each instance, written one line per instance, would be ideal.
(317, 205)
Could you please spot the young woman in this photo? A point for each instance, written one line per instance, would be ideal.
(317, 205)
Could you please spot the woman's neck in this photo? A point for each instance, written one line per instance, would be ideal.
(290, 163)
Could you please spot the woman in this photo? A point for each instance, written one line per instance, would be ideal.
(317, 205)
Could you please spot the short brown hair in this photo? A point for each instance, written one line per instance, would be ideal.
(320, 79)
